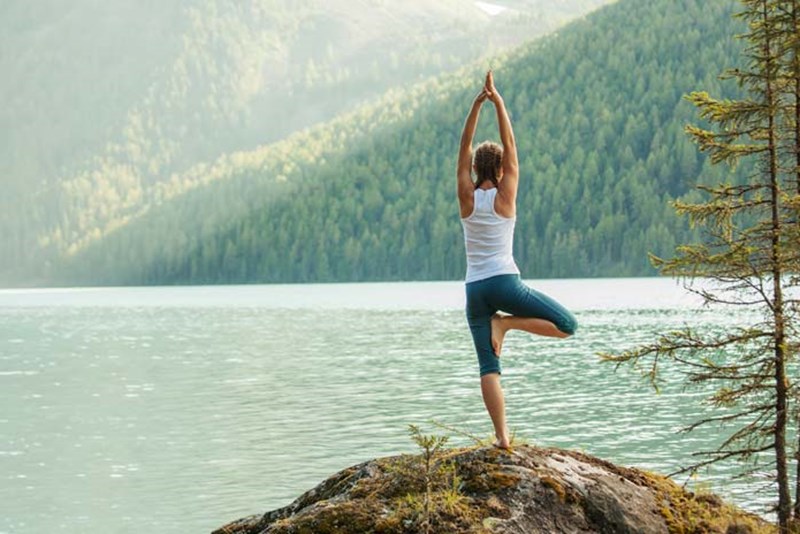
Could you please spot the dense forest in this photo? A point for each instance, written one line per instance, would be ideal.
(599, 115)
(108, 105)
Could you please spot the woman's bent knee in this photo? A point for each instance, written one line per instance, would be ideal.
(568, 326)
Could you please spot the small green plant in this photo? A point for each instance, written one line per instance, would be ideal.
(431, 445)
(426, 489)
(435, 487)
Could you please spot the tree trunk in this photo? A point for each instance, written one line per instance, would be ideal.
(784, 497)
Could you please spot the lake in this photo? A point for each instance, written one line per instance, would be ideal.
(178, 409)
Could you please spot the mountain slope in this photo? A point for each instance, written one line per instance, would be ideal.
(105, 102)
(598, 115)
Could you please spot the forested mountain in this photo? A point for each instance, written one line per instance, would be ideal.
(598, 114)
(106, 105)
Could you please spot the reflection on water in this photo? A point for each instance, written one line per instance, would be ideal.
(179, 409)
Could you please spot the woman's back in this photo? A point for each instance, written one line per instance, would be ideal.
(488, 239)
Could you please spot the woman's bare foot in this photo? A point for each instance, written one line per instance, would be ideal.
(502, 442)
(498, 334)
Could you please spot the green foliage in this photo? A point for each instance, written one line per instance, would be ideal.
(598, 116)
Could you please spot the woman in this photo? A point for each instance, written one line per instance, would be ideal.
(488, 214)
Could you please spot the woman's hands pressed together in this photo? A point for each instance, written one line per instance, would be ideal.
(488, 92)
(490, 89)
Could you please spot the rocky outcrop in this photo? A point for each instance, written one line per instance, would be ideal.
(483, 489)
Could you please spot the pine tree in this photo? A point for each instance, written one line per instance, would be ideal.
(747, 256)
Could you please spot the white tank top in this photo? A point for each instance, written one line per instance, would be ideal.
(488, 238)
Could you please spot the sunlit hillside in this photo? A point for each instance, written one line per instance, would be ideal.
(599, 115)
(104, 102)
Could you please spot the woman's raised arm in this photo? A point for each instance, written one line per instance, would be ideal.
(508, 186)
(464, 168)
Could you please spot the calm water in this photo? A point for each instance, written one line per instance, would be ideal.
(179, 409)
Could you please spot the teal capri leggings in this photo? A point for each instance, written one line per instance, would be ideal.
(508, 294)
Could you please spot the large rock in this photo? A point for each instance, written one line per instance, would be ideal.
(530, 490)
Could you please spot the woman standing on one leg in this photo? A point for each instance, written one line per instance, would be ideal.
(488, 214)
